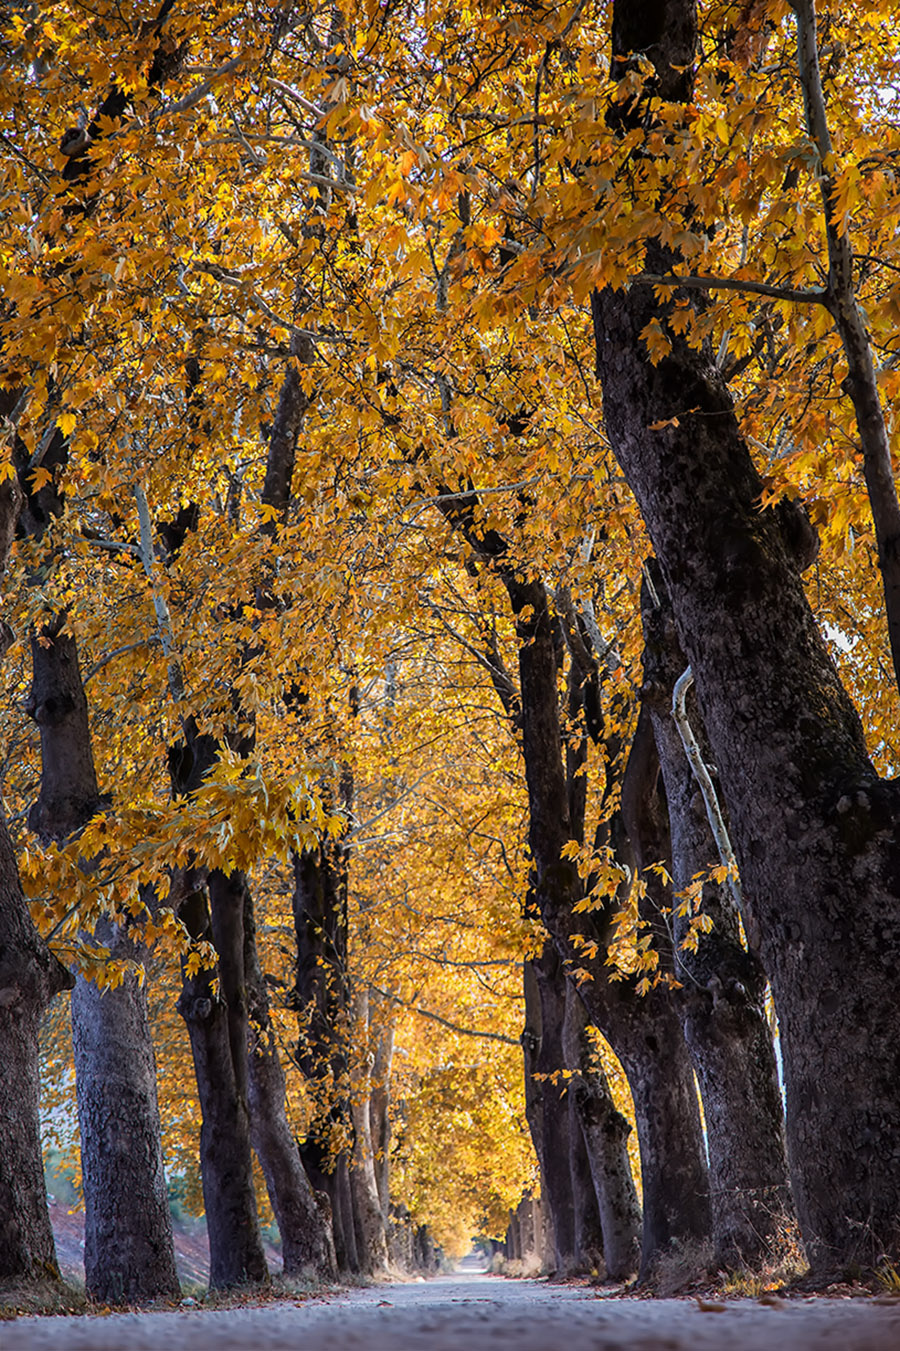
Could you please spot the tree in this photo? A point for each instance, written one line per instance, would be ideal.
(787, 742)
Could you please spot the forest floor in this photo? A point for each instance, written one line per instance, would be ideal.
(476, 1312)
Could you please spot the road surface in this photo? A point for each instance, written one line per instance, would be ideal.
(476, 1312)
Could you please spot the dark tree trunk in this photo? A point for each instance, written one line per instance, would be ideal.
(128, 1249)
(212, 910)
(723, 993)
(645, 1033)
(606, 1134)
(556, 1171)
(236, 1254)
(814, 829)
(588, 1228)
(306, 1241)
(29, 978)
(320, 998)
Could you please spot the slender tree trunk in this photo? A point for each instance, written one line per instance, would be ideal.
(606, 1134)
(380, 1109)
(320, 998)
(307, 1243)
(371, 1233)
(236, 1254)
(723, 993)
(128, 1250)
(555, 1124)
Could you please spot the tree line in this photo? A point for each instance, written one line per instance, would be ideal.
(364, 360)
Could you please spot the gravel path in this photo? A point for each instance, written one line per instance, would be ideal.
(468, 1312)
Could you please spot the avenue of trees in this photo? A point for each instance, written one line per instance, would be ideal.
(451, 626)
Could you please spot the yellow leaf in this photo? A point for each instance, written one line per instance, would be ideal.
(66, 423)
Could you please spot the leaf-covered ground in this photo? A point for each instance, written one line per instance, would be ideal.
(469, 1312)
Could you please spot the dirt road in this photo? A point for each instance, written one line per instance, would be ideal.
(475, 1312)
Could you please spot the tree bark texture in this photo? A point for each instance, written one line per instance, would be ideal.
(29, 978)
(320, 999)
(814, 829)
(645, 1033)
(370, 1227)
(556, 1171)
(723, 992)
(307, 1243)
(129, 1255)
(236, 1255)
(606, 1134)
(380, 1111)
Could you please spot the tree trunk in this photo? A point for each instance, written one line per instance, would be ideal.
(379, 1111)
(556, 1173)
(320, 998)
(29, 978)
(723, 993)
(588, 1228)
(370, 1227)
(644, 1032)
(814, 829)
(606, 1134)
(307, 1243)
(236, 1254)
(128, 1248)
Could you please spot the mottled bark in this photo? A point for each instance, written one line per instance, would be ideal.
(128, 1249)
(814, 829)
(380, 1111)
(307, 1243)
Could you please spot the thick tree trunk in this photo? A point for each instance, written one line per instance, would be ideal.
(307, 1243)
(236, 1254)
(814, 829)
(128, 1249)
(29, 978)
(606, 1134)
(723, 992)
